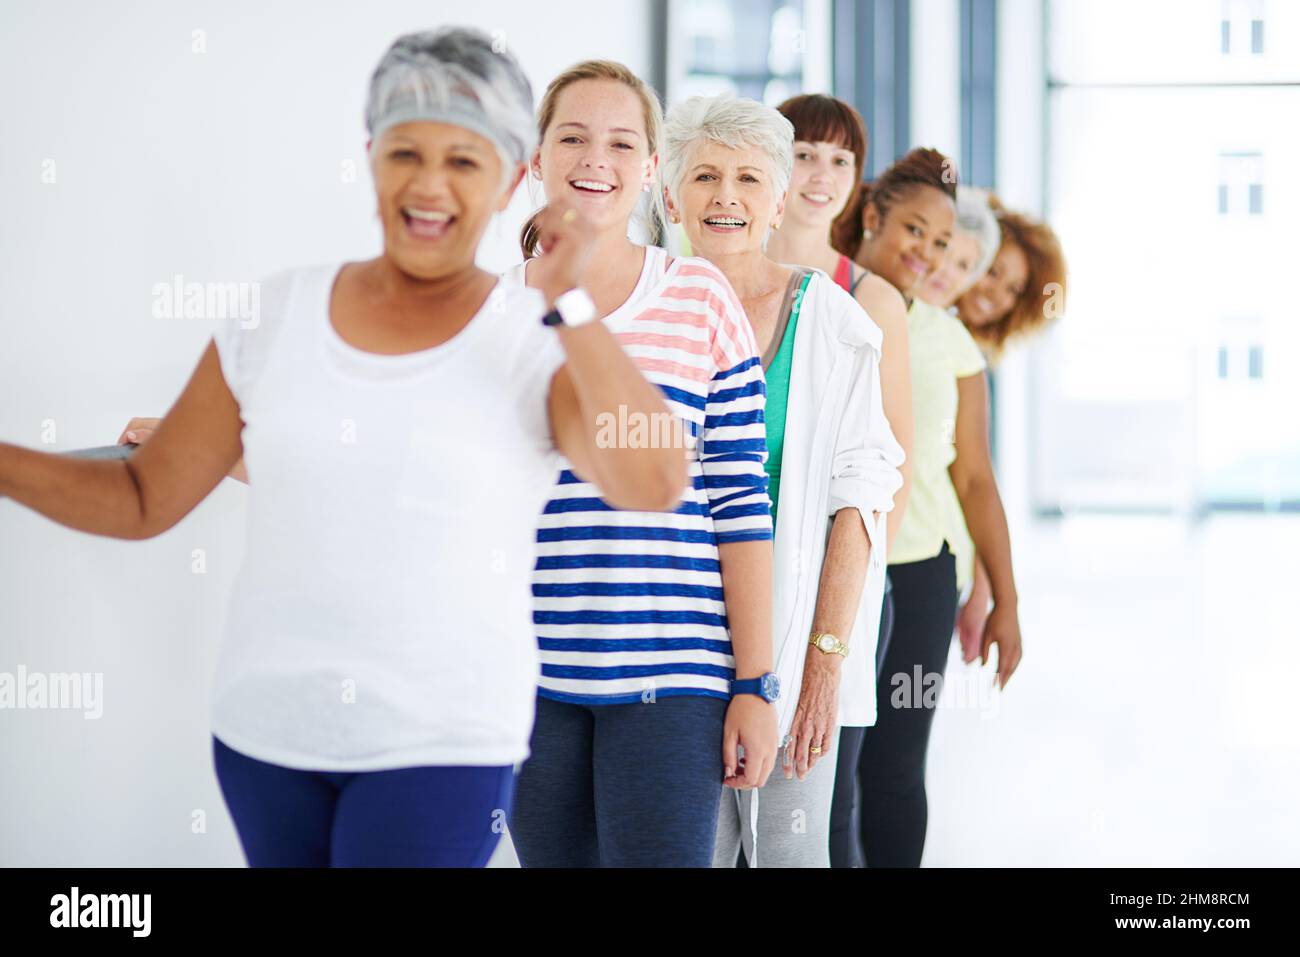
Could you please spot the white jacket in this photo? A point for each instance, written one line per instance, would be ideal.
(839, 452)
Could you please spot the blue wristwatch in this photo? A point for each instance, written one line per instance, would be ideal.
(767, 687)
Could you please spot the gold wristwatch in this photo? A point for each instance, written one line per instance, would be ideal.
(828, 644)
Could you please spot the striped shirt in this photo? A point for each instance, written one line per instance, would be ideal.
(629, 605)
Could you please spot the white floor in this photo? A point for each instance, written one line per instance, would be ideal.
(1151, 723)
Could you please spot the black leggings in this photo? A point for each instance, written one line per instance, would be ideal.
(891, 769)
(845, 835)
(889, 809)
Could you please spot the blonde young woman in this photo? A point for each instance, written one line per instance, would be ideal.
(376, 682)
(832, 461)
(653, 627)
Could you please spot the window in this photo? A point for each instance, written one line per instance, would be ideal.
(1241, 184)
(1248, 18)
(762, 49)
(1241, 361)
(872, 43)
(1256, 362)
(1193, 382)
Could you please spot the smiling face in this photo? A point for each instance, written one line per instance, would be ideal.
(910, 240)
(727, 200)
(595, 152)
(946, 282)
(991, 299)
(820, 186)
(437, 186)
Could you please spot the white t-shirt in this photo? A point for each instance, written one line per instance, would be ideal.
(382, 616)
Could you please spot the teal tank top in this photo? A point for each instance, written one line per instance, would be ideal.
(778, 393)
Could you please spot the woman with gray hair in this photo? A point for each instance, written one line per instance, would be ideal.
(976, 237)
(399, 418)
(833, 463)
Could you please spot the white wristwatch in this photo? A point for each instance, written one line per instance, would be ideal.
(573, 308)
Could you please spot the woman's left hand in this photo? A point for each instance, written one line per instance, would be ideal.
(1002, 629)
(815, 718)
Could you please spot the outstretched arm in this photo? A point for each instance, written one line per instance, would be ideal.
(140, 430)
(196, 445)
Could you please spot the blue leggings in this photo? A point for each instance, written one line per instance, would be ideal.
(406, 817)
(621, 785)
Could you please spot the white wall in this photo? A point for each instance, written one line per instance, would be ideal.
(223, 165)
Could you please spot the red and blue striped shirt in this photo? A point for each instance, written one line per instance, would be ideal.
(629, 605)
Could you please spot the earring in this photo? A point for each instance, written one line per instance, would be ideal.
(645, 187)
(866, 234)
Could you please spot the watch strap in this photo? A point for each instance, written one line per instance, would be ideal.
(576, 307)
(840, 647)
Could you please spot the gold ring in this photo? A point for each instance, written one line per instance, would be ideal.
(569, 216)
(814, 750)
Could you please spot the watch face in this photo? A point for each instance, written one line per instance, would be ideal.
(826, 643)
(771, 686)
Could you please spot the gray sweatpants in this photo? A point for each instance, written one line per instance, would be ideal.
(793, 818)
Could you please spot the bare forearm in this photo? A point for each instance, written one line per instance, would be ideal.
(844, 574)
(896, 397)
(99, 497)
(147, 494)
(987, 522)
(894, 520)
(747, 591)
(612, 394)
(981, 591)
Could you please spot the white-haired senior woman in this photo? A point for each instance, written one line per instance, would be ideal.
(399, 419)
(832, 463)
